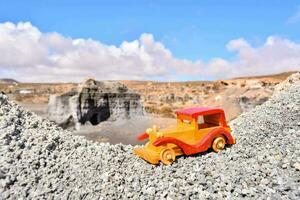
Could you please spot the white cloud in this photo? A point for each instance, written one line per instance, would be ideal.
(274, 56)
(294, 18)
(237, 44)
(27, 54)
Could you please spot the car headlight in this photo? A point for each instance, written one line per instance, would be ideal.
(154, 128)
(159, 134)
(149, 130)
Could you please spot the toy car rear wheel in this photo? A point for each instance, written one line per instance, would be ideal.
(167, 156)
(219, 144)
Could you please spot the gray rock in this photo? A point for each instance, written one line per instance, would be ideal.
(94, 102)
(297, 166)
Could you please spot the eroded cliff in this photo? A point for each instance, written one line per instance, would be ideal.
(93, 102)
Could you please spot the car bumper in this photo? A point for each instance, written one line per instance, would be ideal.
(147, 154)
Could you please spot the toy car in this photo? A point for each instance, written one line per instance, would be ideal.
(197, 130)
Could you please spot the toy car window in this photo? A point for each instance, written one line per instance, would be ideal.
(208, 121)
(212, 120)
(200, 120)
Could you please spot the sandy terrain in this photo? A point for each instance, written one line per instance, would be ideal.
(123, 131)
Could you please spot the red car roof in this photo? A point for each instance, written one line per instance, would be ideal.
(195, 111)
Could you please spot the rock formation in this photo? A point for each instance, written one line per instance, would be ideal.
(235, 96)
(93, 102)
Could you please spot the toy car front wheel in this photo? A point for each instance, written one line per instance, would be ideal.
(219, 144)
(167, 156)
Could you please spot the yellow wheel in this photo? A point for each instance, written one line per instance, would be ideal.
(167, 156)
(218, 144)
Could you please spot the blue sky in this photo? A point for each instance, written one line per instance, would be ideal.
(192, 30)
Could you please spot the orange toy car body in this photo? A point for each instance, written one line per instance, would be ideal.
(197, 130)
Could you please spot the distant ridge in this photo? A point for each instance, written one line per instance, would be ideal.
(282, 75)
(8, 81)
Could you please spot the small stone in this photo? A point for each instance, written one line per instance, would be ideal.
(264, 181)
(151, 190)
(284, 166)
(2, 174)
(297, 166)
(245, 191)
(278, 157)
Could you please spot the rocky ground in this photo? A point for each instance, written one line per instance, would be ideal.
(38, 160)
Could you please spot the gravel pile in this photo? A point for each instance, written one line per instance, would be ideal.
(38, 160)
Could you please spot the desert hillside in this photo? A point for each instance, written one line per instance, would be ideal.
(163, 98)
(235, 96)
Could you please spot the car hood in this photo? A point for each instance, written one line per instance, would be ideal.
(176, 129)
